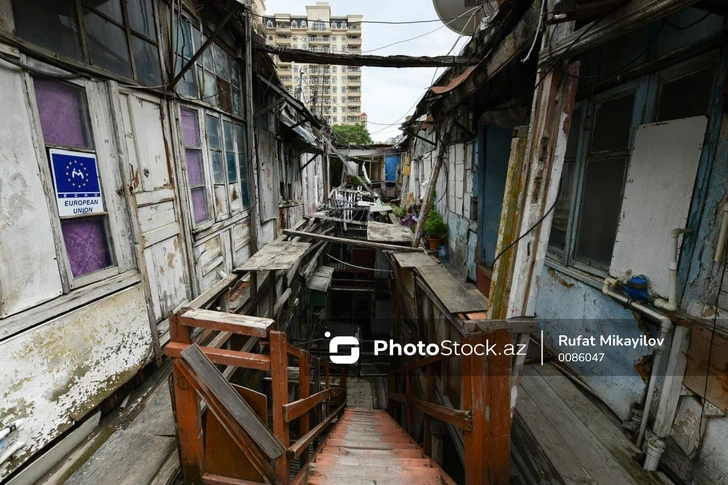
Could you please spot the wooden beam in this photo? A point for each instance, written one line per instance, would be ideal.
(630, 16)
(456, 417)
(352, 242)
(296, 409)
(227, 322)
(337, 219)
(206, 375)
(515, 43)
(515, 325)
(279, 382)
(235, 358)
(397, 61)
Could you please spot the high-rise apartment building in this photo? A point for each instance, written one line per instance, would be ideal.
(333, 92)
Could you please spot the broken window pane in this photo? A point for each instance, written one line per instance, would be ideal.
(146, 59)
(63, 111)
(600, 208)
(141, 17)
(613, 124)
(50, 24)
(687, 96)
(87, 245)
(107, 44)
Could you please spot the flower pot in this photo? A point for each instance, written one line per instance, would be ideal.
(435, 242)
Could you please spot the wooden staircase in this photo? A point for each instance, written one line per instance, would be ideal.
(369, 447)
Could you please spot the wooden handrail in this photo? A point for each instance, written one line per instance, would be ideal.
(245, 360)
(295, 450)
(227, 322)
(298, 408)
(422, 363)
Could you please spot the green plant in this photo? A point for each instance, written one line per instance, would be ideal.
(435, 225)
(398, 211)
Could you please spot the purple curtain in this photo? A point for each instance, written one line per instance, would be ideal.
(86, 244)
(63, 113)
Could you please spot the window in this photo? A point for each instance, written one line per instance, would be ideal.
(118, 36)
(242, 163)
(319, 25)
(333, 68)
(269, 24)
(685, 96)
(294, 24)
(195, 171)
(303, 24)
(343, 68)
(215, 78)
(86, 236)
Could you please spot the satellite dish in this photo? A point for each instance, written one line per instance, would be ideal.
(465, 13)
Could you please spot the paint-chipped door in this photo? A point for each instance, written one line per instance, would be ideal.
(160, 244)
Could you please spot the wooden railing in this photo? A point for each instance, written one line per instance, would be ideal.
(233, 444)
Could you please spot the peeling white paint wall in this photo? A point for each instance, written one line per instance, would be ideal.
(57, 372)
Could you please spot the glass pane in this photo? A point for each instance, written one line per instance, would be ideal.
(188, 84)
(209, 88)
(221, 63)
(235, 73)
(196, 40)
(50, 24)
(228, 131)
(232, 170)
(110, 8)
(107, 44)
(224, 96)
(199, 204)
(190, 128)
(141, 17)
(574, 132)
(213, 132)
(207, 56)
(194, 168)
(63, 113)
(600, 208)
(87, 245)
(687, 96)
(613, 125)
(146, 58)
(238, 103)
(218, 169)
(560, 224)
(182, 35)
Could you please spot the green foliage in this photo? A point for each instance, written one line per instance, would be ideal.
(355, 134)
(435, 225)
(398, 211)
(355, 181)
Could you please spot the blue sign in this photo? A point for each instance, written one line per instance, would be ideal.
(76, 180)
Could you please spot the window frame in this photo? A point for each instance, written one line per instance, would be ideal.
(120, 254)
(645, 110)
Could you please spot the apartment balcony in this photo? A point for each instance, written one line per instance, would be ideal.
(356, 40)
(353, 81)
(319, 40)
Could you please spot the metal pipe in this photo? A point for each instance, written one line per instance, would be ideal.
(671, 304)
(665, 327)
(10, 428)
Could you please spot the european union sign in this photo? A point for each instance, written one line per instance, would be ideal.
(76, 179)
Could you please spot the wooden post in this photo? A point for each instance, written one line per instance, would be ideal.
(250, 152)
(187, 406)
(427, 202)
(304, 391)
(272, 296)
(486, 394)
(316, 388)
(279, 381)
(429, 395)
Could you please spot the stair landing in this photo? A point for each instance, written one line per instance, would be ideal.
(368, 447)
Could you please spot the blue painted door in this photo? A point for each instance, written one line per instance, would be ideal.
(391, 162)
(495, 149)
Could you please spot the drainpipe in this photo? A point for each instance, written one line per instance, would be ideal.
(671, 304)
(665, 327)
(720, 250)
(10, 428)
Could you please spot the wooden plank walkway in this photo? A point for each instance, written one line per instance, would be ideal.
(368, 447)
(560, 436)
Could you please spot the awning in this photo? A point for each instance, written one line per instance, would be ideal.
(454, 82)
(307, 135)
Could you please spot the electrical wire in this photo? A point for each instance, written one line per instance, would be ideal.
(692, 24)
(445, 24)
(385, 22)
(359, 267)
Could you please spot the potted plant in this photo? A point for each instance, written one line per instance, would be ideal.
(436, 228)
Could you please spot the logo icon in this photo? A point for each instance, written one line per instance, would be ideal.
(347, 341)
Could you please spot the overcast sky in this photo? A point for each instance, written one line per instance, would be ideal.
(388, 94)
